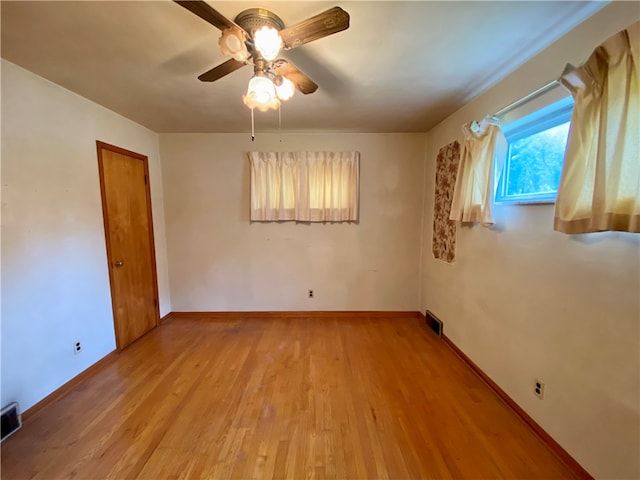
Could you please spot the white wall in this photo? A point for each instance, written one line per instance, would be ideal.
(55, 283)
(219, 261)
(523, 301)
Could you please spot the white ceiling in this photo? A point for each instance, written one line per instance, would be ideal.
(400, 67)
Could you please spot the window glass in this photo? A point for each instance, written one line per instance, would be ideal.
(536, 146)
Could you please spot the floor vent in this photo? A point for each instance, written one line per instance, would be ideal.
(11, 419)
(434, 323)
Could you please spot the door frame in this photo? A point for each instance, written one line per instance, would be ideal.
(110, 262)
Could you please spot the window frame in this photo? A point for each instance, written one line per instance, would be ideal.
(543, 119)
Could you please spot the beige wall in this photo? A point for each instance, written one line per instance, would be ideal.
(219, 261)
(55, 283)
(526, 302)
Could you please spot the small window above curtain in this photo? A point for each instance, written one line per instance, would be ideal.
(305, 186)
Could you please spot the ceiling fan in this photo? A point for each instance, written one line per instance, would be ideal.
(256, 37)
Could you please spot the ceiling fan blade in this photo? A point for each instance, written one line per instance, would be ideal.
(207, 13)
(326, 23)
(303, 83)
(221, 70)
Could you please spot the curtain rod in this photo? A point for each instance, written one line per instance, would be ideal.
(536, 93)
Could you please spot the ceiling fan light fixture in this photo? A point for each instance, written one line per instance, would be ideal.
(261, 94)
(268, 42)
(284, 88)
(231, 43)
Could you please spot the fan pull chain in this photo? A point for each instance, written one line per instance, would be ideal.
(253, 134)
(280, 122)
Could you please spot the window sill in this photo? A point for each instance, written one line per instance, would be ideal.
(526, 202)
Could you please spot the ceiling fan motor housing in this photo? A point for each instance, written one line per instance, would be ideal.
(255, 18)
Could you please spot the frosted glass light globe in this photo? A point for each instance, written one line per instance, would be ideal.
(285, 90)
(261, 94)
(268, 42)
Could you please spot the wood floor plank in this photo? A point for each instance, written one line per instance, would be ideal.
(284, 398)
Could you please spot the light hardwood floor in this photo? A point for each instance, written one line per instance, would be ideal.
(339, 398)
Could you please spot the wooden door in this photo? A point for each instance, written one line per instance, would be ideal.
(126, 206)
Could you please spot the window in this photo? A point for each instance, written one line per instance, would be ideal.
(535, 154)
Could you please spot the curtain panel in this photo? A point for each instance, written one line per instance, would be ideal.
(484, 144)
(600, 184)
(305, 186)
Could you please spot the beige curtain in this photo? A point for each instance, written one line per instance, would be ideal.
(305, 186)
(484, 145)
(600, 185)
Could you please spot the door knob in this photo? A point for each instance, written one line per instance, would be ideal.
(119, 263)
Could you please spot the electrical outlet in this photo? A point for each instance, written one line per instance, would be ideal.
(538, 389)
(77, 347)
(310, 293)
